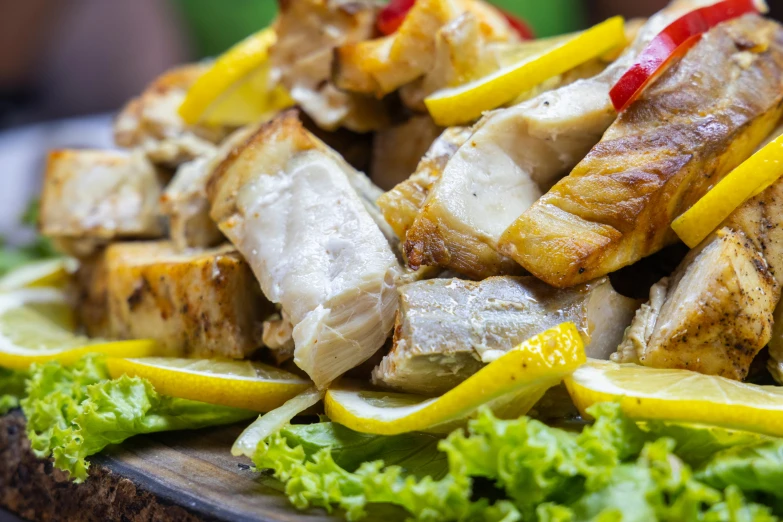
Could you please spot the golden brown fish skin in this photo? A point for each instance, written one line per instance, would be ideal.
(401, 205)
(431, 243)
(702, 118)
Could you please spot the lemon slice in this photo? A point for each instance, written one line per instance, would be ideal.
(236, 89)
(749, 179)
(518, 378)
(36, 325)
(51, 272)
(465, 103)
(241, 384)
(679, 396)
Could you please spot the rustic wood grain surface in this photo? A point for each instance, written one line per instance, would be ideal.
(177, 476)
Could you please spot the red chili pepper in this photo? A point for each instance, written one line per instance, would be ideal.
(519, 25)
(671, 43)
(392, 16)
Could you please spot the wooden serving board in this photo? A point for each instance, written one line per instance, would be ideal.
(176, 476)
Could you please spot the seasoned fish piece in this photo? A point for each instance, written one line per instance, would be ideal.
(203, 303)
(290, 206)
(308, 31)
(513, 156)
(396, 151)
(185, 199)
(382, 65)
(716, 311)
(152, 121)
(185, 203)
(401, 205)
(447, 329)
(698, 121)
(91, 197)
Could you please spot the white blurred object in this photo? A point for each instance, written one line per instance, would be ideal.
(22, 158)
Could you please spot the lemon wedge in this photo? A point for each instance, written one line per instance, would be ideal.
(241, 384)
(36, 325)
(51, 272)
(510, 385)
(749, 179)
(679, 396)
(465, 103)
(236, 89)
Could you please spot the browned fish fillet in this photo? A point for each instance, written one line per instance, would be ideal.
(447, 329)
(307, 33)
(512, 157)
(91, 197)
(204, 303)
(300, 216)
(152, 121)
(716, 311)
(382, 65)
(697, 122)
(185, 201)
(402, 203)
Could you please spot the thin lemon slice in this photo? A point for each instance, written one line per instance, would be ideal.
(749, 179)
(36, 326)
(679, 396)
(459, 105)
(523, 374)
(241, 384)
(50, 272)
(237, 90)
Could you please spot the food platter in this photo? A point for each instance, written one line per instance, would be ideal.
(406, 261)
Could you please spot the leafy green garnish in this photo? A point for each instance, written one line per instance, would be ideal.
(39, 248)
(12, 384)
(416, 453)
(74, 412)
(611, 471)
(756, 469)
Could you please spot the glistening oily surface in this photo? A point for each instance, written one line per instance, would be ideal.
(243, 324)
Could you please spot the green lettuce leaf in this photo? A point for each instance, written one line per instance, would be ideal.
(318, 481)
(535, 463)
(74, 412)
(40, 248)
(12, 389)
(752, 469)
(696, 443)
(416, 453)
(611, 471)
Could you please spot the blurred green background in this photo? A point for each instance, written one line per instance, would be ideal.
(214, 27)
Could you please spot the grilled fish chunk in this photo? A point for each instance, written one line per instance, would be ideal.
(401, 205)
(203, 303)
(185, 201)
(383, 65)
(91, 197)
(291, 207)
(513, 156)
(716, 311)
(447, 329)
(698, 121)
(308, 31)
(152, 121)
